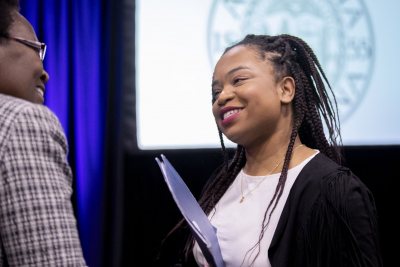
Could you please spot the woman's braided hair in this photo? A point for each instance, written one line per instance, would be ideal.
(312, 108)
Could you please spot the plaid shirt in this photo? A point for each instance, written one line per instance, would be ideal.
(37, 223)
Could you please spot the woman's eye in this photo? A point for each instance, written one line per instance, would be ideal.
(215, 94)
(238, 80)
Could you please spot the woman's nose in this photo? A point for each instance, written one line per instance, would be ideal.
(226, 95)
(44, 77)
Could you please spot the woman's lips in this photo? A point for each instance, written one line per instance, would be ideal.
(229, 114)
(40, 91)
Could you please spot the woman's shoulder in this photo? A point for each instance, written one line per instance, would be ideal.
(321, 175)
(27, 119)
(326, 179)
(323, 169)
(15, 110)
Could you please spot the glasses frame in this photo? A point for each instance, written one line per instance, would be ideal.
(40, 47)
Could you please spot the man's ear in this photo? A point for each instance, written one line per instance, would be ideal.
(287, 89)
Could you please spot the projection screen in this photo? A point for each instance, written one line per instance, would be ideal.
(178, 42)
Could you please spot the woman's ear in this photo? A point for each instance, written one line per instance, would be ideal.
(287, 89)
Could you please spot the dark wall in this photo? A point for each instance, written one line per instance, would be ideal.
(150, 209)
(378, 167)
(151, 212)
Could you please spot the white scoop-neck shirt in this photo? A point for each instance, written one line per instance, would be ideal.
(239, 224)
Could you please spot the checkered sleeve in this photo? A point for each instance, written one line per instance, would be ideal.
(37, 223)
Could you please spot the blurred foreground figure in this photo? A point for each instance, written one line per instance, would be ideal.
(37, 223)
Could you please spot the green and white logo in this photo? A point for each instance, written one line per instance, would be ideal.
(339, 31)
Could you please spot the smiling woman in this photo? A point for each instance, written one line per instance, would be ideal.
(37, 222)
(22, 74)
(248, 93)
(284, 199)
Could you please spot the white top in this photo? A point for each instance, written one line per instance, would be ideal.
(239, 224)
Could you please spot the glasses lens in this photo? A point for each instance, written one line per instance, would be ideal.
(43, 51)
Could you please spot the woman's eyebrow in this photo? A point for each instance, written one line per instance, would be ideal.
(236, 69)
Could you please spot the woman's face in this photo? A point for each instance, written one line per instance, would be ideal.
(21, 70)
(249, 104)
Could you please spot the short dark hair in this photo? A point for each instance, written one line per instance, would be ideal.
(6, 8)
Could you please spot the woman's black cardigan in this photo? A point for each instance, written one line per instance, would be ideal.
(329, 220)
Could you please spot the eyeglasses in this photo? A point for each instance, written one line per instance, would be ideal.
(40, 47)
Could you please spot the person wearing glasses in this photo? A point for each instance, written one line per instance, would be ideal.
(37, 222)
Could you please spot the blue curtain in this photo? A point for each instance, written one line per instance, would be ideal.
(74, 31)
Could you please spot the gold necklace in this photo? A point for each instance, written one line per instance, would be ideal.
(254, 188)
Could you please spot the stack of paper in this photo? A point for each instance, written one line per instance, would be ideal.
(203, 231)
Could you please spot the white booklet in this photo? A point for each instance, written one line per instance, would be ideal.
(202, 229)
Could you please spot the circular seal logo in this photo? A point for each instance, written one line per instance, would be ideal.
(340, 33)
